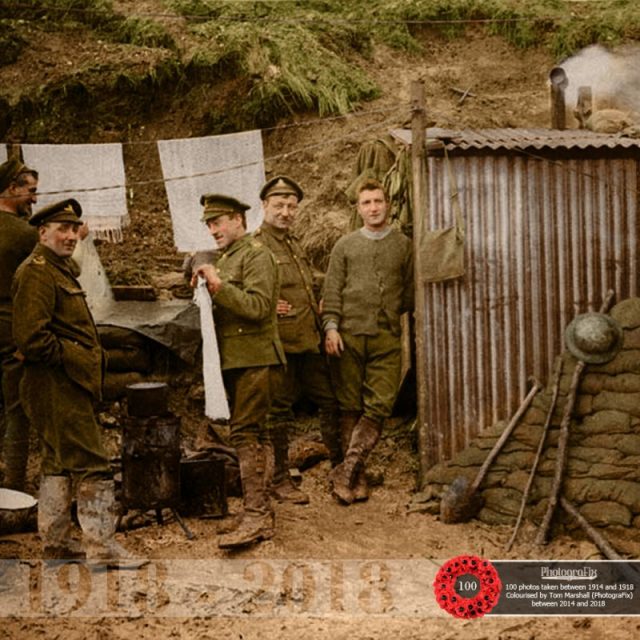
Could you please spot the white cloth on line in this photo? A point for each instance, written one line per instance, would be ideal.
(231, 164)
(216, 406)
(93, 277)
(69, 169)
(3, 153)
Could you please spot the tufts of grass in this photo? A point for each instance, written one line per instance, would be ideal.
(143, 32)
(58, 13)
(288, 66)
(98, 15)
(608, 25)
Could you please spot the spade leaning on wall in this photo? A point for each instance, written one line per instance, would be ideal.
(602, 475)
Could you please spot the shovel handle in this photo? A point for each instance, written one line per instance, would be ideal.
(505, 436)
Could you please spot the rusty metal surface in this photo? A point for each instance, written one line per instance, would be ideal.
(522, 139)
(545, 240)
(203, 488)
(151, 462)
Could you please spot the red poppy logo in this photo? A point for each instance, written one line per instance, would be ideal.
(467, 587)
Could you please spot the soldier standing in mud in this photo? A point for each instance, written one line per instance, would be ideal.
(369, 284)
(307, 370)
(244, 287)
(18, 187)
(63, 367)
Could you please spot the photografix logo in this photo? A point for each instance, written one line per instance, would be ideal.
(568, 574)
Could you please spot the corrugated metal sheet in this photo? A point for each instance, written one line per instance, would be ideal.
(545, 240)
(522, 139)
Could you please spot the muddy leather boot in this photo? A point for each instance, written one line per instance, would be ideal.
(330, 431)
(229, 524)
(232, 522)
(54, 519)
(282, 487)
(360, 485)
(363, 439)
(257, 522)
(360, 488)
(98, 515)
(346, 423)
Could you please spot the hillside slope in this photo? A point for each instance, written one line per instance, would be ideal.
(76, 85)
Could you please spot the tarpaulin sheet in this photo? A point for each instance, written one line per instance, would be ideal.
(174, 324)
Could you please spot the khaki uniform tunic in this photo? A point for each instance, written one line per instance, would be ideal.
(54, 330)
(307, 373)
(300, 329)
(245, 317)
(17, 240)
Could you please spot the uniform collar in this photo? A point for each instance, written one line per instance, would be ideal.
(66, 264)
(281, 234)
(240, 242)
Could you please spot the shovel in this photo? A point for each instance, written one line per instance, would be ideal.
(461, 501)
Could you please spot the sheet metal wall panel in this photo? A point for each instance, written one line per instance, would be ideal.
(545, 240)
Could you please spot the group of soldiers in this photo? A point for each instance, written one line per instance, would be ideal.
(277, 343)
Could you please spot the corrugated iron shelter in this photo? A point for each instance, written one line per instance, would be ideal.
(552, 224)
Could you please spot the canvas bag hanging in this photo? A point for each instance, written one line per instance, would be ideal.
(442, 250)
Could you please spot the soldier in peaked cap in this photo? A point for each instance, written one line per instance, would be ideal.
(281, 186)
(307, 372)
(18, 186)
(244, 287)
(63, 364)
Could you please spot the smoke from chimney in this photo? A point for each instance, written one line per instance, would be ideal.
(612, 74)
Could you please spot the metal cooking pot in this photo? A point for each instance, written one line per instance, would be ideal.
(146, 399)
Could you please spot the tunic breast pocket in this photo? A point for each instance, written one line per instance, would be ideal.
(287, 271)
(233, 276)
(72, 300)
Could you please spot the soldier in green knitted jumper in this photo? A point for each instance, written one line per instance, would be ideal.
(369, 284)
(18, 186)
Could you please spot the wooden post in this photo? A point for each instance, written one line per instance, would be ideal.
(13, 151)
(426, 443)
(584, 106)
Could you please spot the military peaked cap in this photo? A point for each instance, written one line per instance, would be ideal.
(216, 205)
(281, 186)
(9, 171)
(64, 211)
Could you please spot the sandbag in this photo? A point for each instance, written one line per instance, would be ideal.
(129, 359)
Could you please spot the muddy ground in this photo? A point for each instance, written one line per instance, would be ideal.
(510, 90)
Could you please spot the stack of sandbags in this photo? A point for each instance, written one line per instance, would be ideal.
(129, 359)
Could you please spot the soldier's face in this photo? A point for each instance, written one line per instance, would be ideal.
(226, 229)
(60, 237)
(373, 209)
(280, 211)
(25, 195)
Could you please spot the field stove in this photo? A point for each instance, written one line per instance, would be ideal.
(151, 453)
